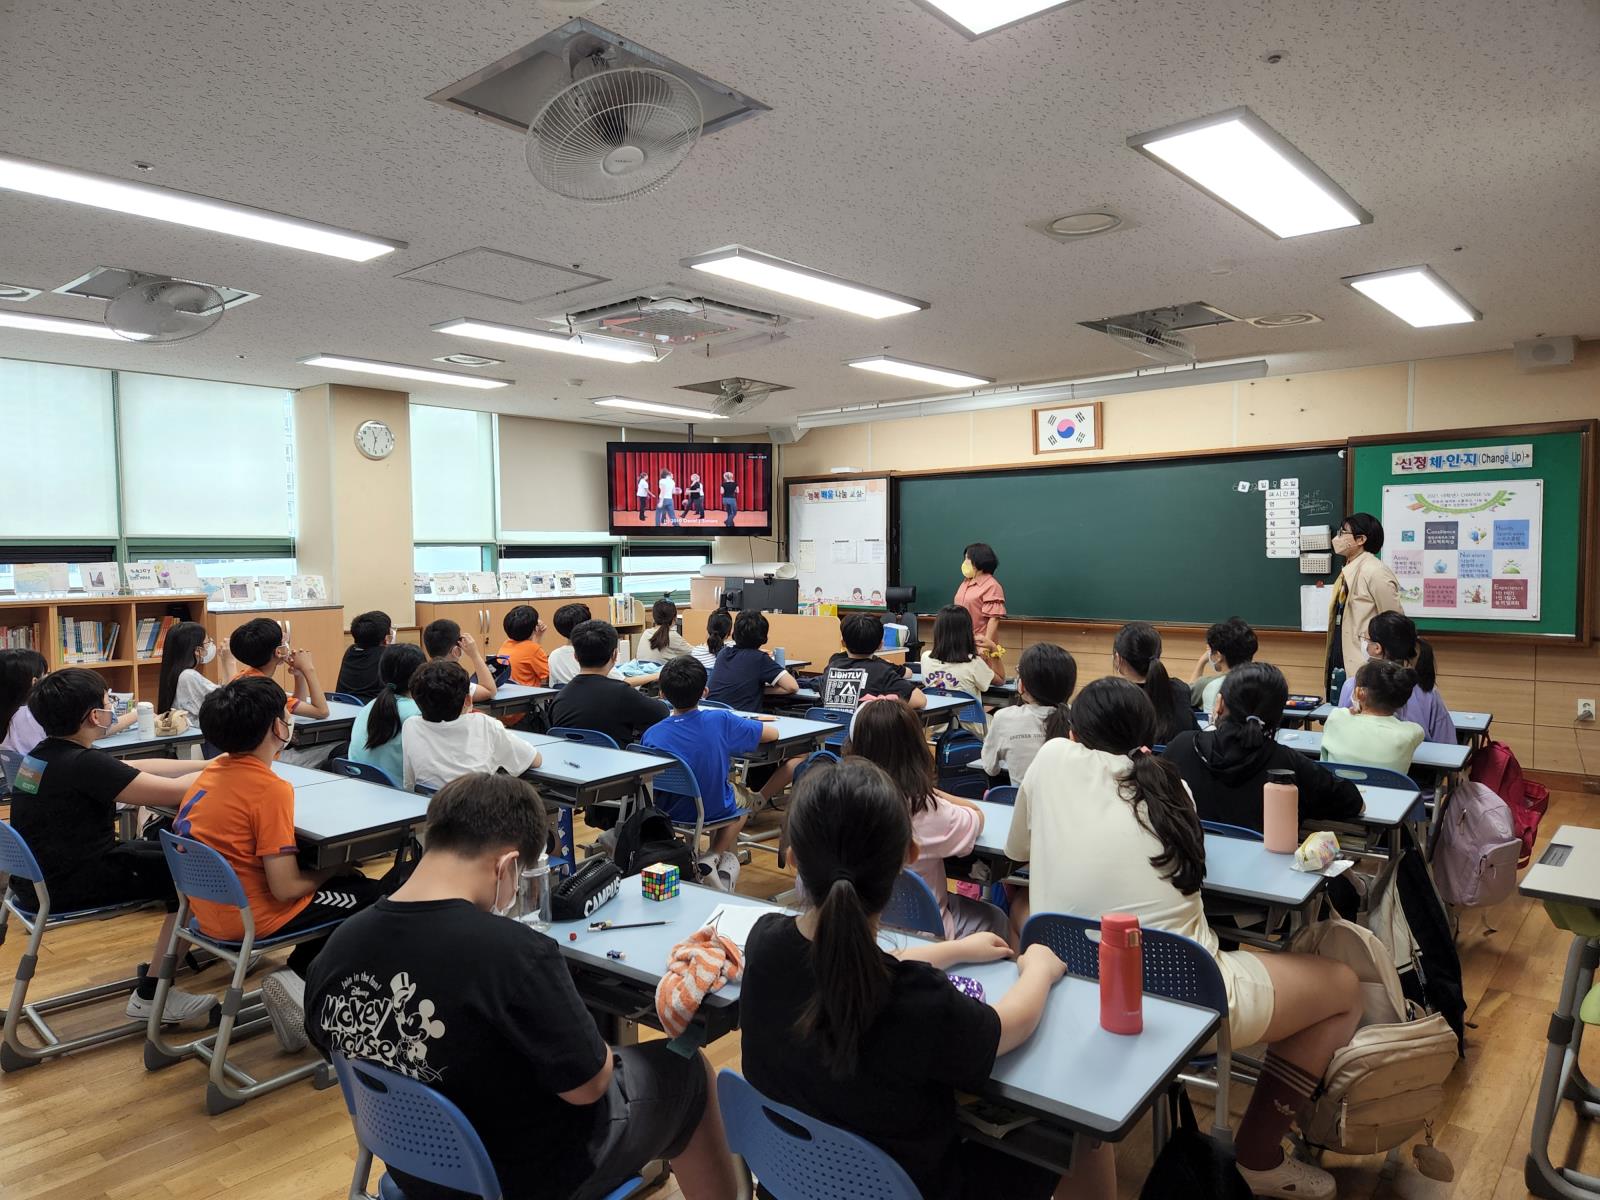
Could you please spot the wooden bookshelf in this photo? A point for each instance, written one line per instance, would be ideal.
(123, 673)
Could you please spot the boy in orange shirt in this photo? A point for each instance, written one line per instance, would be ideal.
(243, 810)
(530, 665)
(259, 647)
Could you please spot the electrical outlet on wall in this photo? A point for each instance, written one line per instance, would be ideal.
(1585, 710)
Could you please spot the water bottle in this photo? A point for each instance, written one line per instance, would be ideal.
(1280, 812)
(1121, 974)
(534, 894)
(145, 714)
(778, 655)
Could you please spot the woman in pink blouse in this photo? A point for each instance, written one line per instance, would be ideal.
(981, 595)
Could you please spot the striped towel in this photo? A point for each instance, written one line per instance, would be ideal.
(697, 966)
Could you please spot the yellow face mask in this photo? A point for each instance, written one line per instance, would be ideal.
(967, 569)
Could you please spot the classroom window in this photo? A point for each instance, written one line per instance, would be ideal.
(433, 559)
(587, 564)
(71, 554)
(452, 476)
(641, 577)
(205, 459)
(59, 479)
(224, 568)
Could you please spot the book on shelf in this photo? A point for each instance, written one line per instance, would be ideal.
(21, 637)
(88, 641)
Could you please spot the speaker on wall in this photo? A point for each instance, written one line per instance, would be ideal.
(785, 435)
(1533, 353)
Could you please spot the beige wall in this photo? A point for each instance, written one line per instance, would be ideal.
(1531, 690)
(355, 514)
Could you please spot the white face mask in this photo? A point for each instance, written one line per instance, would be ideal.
(207, 653)
(502, 910)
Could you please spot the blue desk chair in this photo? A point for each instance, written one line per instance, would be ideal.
(1372, 776)
(716, 704)
(913, 906)
(798, 1157)
(1176, 968)
(10, 764)
(1239, 832)
(1006, 794)
(347, 698)
(355, 770)
(833, 716)
(17, 862)
(971, 712)
(414, 1129)
(584, 737)
(679, 780)
(200, 873)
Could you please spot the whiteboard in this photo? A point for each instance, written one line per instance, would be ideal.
(839, 539)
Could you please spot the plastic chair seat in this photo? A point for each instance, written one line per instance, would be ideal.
(31, 915)
(261, 943)
(346, 698)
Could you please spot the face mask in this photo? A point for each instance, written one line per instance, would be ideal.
(110, 719)
(207, 653)
(288, 735)
(503, 910)
(967, 569)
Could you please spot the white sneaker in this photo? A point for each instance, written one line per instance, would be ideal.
(182, 1008)
(1292, 1179)
(284, 994)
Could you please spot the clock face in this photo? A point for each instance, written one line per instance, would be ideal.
(375, 439)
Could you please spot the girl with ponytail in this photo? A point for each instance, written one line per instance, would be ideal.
(1107, 826)
(1046, 677)
(663, 642)
(718, 626)
(879, 1044)
(375, 733)
(1392, 637)
(1136, 656)
(1226, 766)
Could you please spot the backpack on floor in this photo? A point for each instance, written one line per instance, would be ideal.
(1475, 855)
(648, 837)
(1496, 767)
(1382, 1088)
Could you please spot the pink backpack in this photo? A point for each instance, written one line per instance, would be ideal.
(1475, 856)
(1496, 767)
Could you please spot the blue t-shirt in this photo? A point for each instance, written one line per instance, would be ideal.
(740, 677)
(385, 756)
(707, 739)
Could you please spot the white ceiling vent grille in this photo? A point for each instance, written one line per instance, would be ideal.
(677, 318)
(1157, 333)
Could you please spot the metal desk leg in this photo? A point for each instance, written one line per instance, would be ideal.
(1560, 1079)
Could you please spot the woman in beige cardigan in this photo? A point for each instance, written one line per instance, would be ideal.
(1366, 588)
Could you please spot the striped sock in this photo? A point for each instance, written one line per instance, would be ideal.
(1282, 1091)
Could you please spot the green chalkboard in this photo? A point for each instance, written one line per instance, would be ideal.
(1172, 540)
(1561, 458)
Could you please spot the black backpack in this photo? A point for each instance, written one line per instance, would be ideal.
(648, 837)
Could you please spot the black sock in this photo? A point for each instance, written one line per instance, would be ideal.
(147, 983)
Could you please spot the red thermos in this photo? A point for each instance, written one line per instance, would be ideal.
(1121, 974)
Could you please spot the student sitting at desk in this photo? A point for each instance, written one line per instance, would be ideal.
(358, 670)
(1226, 766)
(181, 687)
(1046, 678)
(745, 672)
(446, 739)
(259, 647)
(595, 699)
(954, 664)
(1392, 637)
(875, 1043)
(1370, 732)
(1136, 656)
(375, 733)
(563, 659)
(718, 626)
(663, 642)
(1228, 644)
(859, 671)
(444, 641)
(245, 812)
(20, 673)
(1107, 826)
(64, 802)
(708, 740)
(942, 826)
(433, 983)
(530, 665)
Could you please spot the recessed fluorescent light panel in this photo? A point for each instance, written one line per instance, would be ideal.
(34, 323)
(921, 372)
(586, 345)
(367, 366)
(661, 410)
(791, 279)
(1239, 160)
(183, 208)
(978, 17)
(1416, 295)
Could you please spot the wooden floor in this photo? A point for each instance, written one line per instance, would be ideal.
(97, 1126)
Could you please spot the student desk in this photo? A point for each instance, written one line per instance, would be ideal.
(997, 693)
(939, 710)
(1474, 726)
(1429, 754)
(303, 777)
(339, 820)
(573, 774)
(1567, 878)
(133, 744)
(322, 731)
(795, 736)
(1071, 1074)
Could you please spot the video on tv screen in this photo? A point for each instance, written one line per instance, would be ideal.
(665, 488)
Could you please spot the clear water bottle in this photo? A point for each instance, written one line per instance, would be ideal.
(534, 894)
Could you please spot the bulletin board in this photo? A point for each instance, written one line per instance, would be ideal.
(839, 538)
(1487, 530)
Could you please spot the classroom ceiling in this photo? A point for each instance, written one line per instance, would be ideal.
(896, 153)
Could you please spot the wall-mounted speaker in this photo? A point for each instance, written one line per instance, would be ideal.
(1533, 353)
(786, 435)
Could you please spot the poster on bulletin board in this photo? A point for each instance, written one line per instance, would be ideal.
(1464, 549)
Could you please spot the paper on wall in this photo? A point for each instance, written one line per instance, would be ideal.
(806, 555)
(844, 550)
(872, 550)
(1314, 602)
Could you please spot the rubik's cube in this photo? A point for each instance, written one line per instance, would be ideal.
(659, 881)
